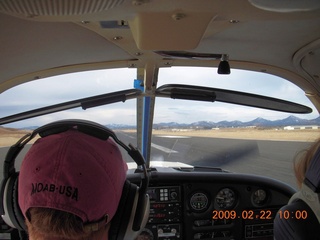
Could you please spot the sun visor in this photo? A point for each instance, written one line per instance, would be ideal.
(175, 31)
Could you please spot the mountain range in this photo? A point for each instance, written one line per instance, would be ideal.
(258, 122)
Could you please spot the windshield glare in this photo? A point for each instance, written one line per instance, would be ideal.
(214, 135)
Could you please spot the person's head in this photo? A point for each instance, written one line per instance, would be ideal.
(302, 162)
(70, 185)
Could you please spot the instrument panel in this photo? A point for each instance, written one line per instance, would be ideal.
(213, 206)
(207, 205)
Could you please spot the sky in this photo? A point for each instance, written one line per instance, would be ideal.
(69, 87)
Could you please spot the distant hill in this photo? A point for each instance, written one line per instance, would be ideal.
(4, 130)
(258, 122)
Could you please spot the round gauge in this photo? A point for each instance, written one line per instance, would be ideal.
(259, 197)
(225, 198)
(199, 201)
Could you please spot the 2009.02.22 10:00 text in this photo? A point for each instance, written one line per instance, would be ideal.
(262, 214)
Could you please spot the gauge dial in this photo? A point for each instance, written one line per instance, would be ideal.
(225, 198)
(259, 197)
(199, 201)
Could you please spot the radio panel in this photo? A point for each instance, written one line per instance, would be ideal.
(165, 214)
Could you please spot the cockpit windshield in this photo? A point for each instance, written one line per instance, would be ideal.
(204, 134)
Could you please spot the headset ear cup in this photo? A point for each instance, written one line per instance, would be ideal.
(16, 208)
(13, 215)
(125, 212)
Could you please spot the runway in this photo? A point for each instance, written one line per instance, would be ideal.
(260, 157)
(241, 156)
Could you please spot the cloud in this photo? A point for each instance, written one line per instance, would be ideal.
(68, 87)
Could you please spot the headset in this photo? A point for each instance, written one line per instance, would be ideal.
(306, 200)
(133, 212)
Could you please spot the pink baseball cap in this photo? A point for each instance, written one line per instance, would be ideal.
(73, 172)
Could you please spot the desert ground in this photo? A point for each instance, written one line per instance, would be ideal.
(245, 133)
(9, 136)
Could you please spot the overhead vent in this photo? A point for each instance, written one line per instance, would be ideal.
(31, 8)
